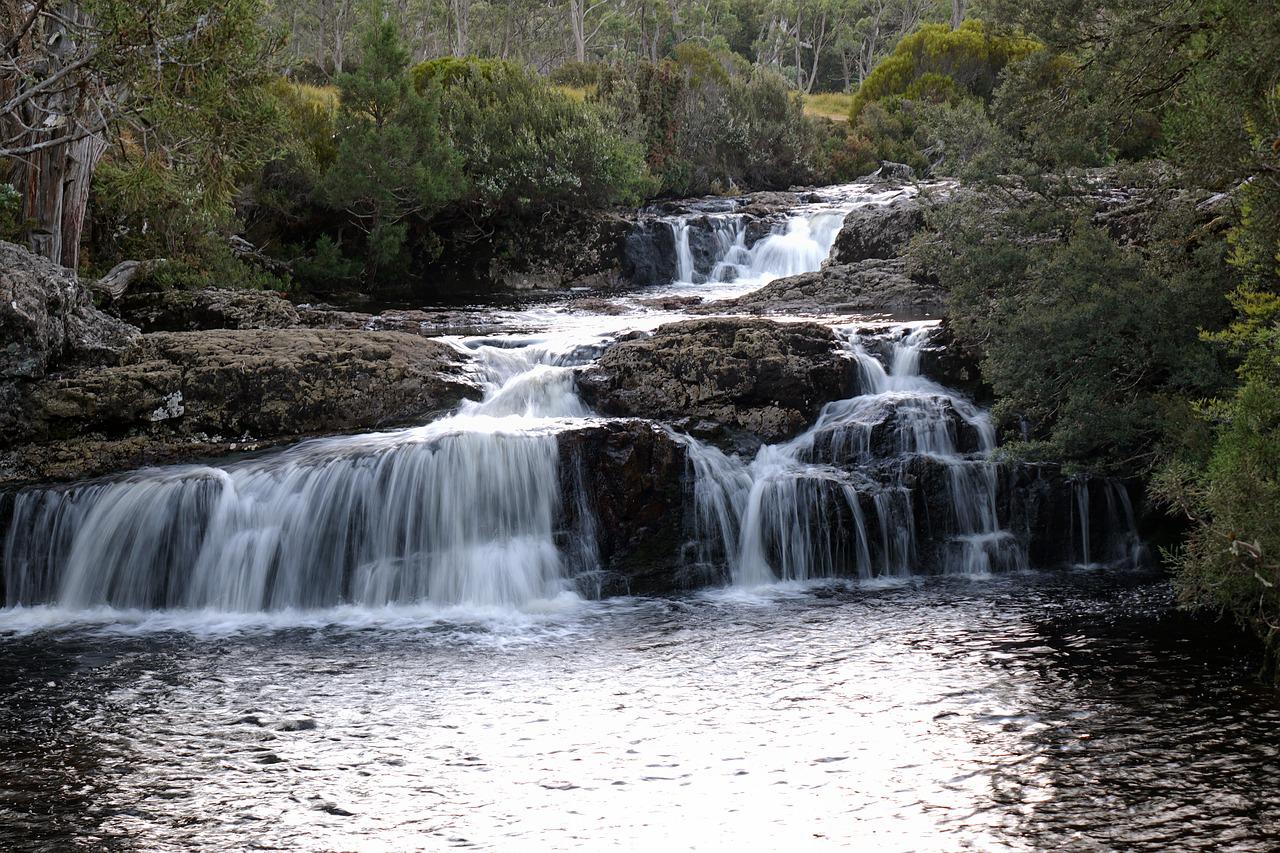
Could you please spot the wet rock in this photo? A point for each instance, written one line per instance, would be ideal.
(649, 253)
(872, 286)
(878, 231)
(47, 319)
(769, 203)
(190, 395)
(890, 171)
(888, 428)
(757, 376)
(671, 303)
(947, 361)
(427, 324)
(210, 308)
(631, 475)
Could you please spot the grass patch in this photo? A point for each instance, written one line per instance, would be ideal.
(829, 105)
(577, 93)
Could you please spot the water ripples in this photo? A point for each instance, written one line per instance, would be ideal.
(1037, 711)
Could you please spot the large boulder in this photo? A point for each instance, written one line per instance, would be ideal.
(47, 319)
(649, 253)
(631, 476)
(187, 395)
(871, 286)
(752, 376)
(878, 230)
(209, 308)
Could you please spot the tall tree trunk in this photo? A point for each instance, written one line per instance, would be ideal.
(51, 163)
(578, 23)
(957, 13)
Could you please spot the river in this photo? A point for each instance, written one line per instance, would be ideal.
(387, 642)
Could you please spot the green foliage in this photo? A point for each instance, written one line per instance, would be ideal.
(939, 63)
(579, 75)
(1092, 348)
(709, 124)
(10, 214)
(326, 267)
(523, 144)
(891, 130)
(1230, 560)
(203, 124)
(392, 161)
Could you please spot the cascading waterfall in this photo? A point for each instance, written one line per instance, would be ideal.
(471, 509)
(798, 245)
(799, 510)
(462, 511)
(1119, 542)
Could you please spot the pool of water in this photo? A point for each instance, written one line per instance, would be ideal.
(1036, 711)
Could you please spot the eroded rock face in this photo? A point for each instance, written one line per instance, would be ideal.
(755, 376)
(878, 231)
(184, 395)
(47, 319)
(871, 286)
(631, 475)
(210, 308)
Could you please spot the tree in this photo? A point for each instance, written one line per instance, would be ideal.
(75, 75)
(393, 161)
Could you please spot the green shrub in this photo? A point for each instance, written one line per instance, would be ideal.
(1231, 560)
(523, 144)
(10, 210)
(710, 124)
(1092, 348)
(937, 61)
(578, 75)
(392, 162)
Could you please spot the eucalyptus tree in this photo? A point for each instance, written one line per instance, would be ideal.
(162, 78)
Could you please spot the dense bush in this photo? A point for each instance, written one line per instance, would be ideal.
(522, 144)
(579, 75)
(10, 211)
(1093, 348)
(392, 161)
(709, 123)
(939, 63)
(1231, 560)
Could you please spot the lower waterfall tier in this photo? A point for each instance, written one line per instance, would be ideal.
(520, 498)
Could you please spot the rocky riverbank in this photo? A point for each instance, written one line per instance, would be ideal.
(87, 394)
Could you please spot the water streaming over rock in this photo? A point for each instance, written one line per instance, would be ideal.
(472, 509)
(800, 510)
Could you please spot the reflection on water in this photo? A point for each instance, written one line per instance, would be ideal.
(1033, 712)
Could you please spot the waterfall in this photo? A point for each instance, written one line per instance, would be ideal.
(467, 517)
(1119, 543)
(462, 511)
(799, 510)
(800, 244)
(473, 508)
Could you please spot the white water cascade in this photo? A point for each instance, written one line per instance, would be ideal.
(462, 511)
(800, 510)
(471, 509)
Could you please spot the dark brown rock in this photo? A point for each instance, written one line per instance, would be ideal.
(878, 231)
(197, 394)
(872, 286)
(210, 308)
(631, 474)
(756, 376)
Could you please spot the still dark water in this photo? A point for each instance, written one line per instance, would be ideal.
(1033, 712)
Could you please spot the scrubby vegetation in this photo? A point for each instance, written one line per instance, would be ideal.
(1139, 339)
